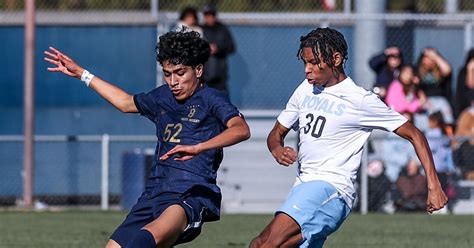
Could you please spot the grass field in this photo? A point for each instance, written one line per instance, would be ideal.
(92, 229)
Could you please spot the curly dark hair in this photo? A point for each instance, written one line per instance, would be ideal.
(182, 47)
(326, 41)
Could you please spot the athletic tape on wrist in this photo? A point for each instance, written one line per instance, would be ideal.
(86, 77)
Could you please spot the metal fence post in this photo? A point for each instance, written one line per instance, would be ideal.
(154, 8)
(347, 6)
(367, 31)
(161, 28)
(451, 6)
(29, 103)
(104, 200)
(467, 36)
(364, 181)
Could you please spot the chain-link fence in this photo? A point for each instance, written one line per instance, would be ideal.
(264, 71)
(395, 179)
(421, 6)
(110, 171)
(78, 171)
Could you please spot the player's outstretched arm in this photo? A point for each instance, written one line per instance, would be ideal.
(113, 94)
(237, 131)
(436, 197)
(275, 143)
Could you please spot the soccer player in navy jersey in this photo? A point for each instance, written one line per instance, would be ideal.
(193, 124)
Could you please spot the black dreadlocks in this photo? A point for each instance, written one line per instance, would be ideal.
(324, 42)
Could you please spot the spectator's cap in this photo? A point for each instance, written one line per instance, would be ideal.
(209, 9)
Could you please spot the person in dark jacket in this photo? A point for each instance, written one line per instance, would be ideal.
(411, 185)
(465, 85)
(387, 66)
(222, 45)
(379, 186)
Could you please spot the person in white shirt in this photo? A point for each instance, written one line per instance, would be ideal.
(334, 117)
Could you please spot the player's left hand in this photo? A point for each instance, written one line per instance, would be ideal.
(285, 155)
(181, 153)
(436, 200)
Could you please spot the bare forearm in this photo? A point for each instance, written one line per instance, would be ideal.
(425, 156)
(422, 149)
(114, 95)
(232, 135)
(274, 140)
(436, 198)
(117, 97)
(285, 156)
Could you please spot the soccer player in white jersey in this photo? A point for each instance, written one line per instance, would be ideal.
(334, 117)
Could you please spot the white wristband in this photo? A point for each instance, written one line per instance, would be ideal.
(86, 77)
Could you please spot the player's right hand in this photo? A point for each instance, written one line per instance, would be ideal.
(63, 63)
(182, 152)
(285, 155)
(436, 200)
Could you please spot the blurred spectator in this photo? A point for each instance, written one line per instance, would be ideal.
(392, 144)
(402, 94)
(464, 154)
(464, 159)
(411, 189)
(440, 145)
(386, 65)
(434, 73)
(379, 186)
(222, 45)
(465, 84)
(188, 18)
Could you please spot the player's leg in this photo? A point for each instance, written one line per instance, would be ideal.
(293, 241)
(141, 214)
(282, 231)
(316, 210)
(162, 232)
(112, 244)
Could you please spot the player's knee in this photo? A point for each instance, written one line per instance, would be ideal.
(143, 239)
(163, 240)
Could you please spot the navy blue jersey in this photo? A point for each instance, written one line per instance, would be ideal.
(197, 119)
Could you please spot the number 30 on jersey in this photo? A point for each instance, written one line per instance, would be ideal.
(315, 125)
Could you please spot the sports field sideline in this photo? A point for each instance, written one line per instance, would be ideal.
(91, 229)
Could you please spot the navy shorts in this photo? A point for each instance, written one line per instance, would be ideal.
(148, 209)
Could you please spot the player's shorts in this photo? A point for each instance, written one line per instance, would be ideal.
(319, 210)
(148, 209)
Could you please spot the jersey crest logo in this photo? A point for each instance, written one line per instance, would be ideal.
(192, 111)
(191, 115)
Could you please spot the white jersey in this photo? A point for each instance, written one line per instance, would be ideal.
(334, 123)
